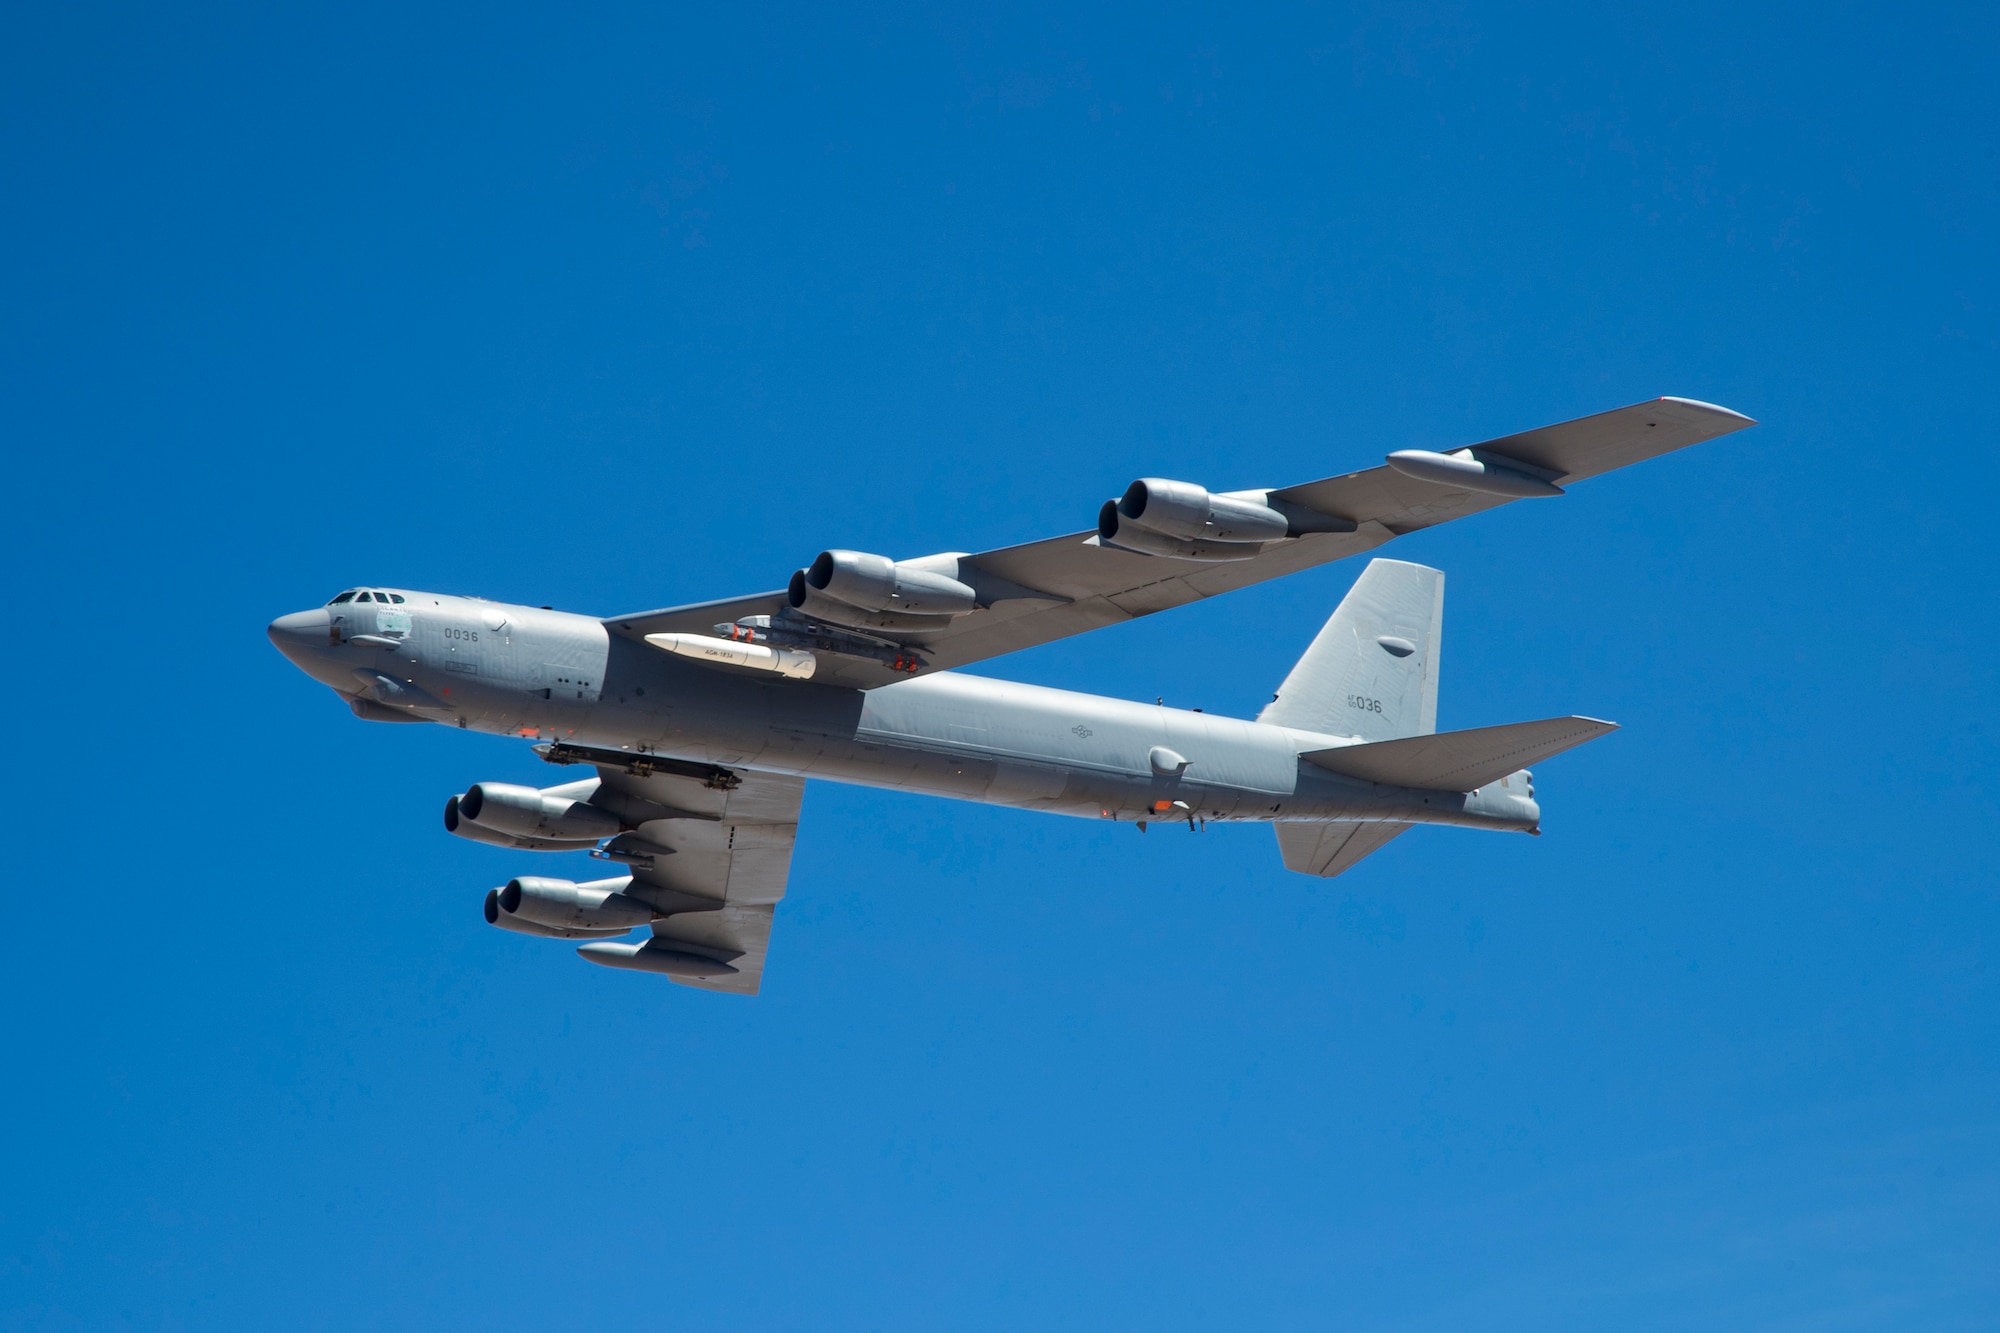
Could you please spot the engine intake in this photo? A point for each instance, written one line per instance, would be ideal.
(526, 812)
(877, 583)
(458, 825)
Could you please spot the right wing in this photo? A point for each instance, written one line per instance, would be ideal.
(712, 849)
(1050, 589)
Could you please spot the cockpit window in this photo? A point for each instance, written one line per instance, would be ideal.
(344, 597)
(395, 597)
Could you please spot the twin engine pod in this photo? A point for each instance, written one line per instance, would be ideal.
(530, 819)
(842, 588)
(561, 819)
(837, 584)
(564, 909)
(1156, 516)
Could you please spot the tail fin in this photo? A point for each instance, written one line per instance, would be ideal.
(1372, 672)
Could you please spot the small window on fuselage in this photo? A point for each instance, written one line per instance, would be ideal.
(344, 597)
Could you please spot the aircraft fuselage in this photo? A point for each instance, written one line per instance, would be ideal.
(555, 676)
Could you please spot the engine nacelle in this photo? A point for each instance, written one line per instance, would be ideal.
(1114, 529)
(521, 925)
(526, 812)
(1183, 509)
(877, 583)
(1180, 519)
(563, 904)
(458, 825)
(818, 606)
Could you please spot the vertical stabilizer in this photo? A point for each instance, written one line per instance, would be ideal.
(1372, 672)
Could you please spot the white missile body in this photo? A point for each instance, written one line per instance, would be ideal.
(794, 663)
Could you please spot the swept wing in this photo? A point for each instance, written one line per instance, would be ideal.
(712, 846)
(1050, 589)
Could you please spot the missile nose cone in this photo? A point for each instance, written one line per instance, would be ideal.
(300, 632)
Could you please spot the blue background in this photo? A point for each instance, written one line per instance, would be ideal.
(617, 308)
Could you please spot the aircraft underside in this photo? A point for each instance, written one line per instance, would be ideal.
(701, 723)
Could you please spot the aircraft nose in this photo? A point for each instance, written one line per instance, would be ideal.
(300, 631)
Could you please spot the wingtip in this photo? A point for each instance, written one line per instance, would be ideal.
(1716, 408)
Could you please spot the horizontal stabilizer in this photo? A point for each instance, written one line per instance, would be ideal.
(1459, 760)
(1329, 848)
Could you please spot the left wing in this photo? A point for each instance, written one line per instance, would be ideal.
(945, 611)
(712, 849)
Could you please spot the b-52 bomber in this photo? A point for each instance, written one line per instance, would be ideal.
(703, 722)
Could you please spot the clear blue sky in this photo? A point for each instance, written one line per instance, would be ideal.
(613, 308)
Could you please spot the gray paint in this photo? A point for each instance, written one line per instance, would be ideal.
(552, 675)
(701, 765)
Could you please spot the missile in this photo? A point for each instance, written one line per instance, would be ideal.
(813, 636)
(1475, 470)
(790, 662)
(652, 958)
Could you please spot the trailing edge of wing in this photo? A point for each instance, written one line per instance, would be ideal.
(1459, 760)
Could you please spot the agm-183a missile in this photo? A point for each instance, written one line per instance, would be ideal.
(791, 662)
(812, 636)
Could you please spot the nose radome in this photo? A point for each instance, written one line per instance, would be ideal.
(299, 631)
